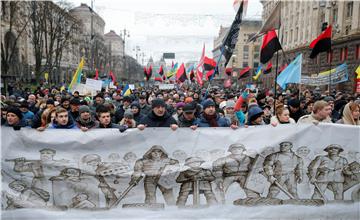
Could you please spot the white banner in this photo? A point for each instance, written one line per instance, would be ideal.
(166, 86)
(94, 84)
(305, 165)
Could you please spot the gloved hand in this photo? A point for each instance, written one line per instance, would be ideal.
(123, 128)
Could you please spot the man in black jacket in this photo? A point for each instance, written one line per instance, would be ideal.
(119, 113)
(158, 117)
(187, 118)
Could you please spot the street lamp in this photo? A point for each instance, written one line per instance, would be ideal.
(123, 34)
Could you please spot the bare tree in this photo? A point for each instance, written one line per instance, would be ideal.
(53, 30)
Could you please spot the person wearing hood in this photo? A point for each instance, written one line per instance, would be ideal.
(351, 114)
(128, 119)
(158, 117)
(136, 110)
(209, 117)
(152, 164)
(255, 116)
(86, 121)
(14, 118)
(63, 120)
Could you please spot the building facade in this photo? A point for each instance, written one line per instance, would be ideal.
(303, 21)
(246, 54)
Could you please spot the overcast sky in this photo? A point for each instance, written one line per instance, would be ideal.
(180, 26)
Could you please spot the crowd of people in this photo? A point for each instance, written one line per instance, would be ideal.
(182, 107)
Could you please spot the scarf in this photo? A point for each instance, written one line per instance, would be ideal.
(347, 116)
(211, 119)
(86, 123)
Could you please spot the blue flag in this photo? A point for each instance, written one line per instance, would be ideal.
(291, 74)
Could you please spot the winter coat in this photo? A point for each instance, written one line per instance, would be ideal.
(152, 120)
(70, 125)
(182, 122)
(221, 121)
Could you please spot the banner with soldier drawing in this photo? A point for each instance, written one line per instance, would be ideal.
(161, 169)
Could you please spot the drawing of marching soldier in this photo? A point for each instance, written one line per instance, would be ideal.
(152, 165)
(327, 172)
(233, 168)
(195, 180)
(283, 170)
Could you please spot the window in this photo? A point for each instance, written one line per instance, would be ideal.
(357, 52)
(330, 56)
(245, 64)
(349, 9)
(343, 54)
(246, 52)
(335, 15)
(347, 29)
(256, 64)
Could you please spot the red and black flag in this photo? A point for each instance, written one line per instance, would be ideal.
(148, 73)
(228, 71)
(192, 75)
(322, 43)
(181, 74)
(268, 68)
(269, 46)
(209, 64)
(161, 71)
(209, 74)
(244, 73)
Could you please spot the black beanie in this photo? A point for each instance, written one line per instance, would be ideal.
(16, 111)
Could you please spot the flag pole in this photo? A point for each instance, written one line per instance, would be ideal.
(277, 64)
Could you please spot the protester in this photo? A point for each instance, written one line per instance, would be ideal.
(14, 118)
(135, 109)
(104, 117)
(47, 118)
(74, 108)
(119, 113)
(282, 116)
(295, 111)
(255, 116)
(158, 117)
(179, 110)
(63, 120)
(321, 113)
(86, 121)
(351, 114)
(144, 107)
(209, 117)
(28, 116)
(187, 118)
(128, 119)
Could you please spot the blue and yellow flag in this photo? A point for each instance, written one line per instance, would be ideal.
(172, 72)
(77, 76)
(258, 73)
(126, 90)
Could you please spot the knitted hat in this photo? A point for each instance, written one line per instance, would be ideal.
(230, 104)
(180, 105)
(75, 101)
(128, 114)
(254, 113)
(157, 103)
(84, 108)
(207, 103)
(16, 111)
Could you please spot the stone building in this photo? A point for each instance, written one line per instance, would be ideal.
(116, 54)
(246, 54)
(302, 22)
